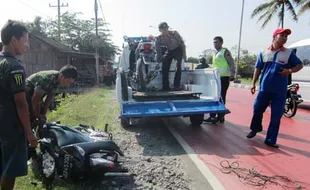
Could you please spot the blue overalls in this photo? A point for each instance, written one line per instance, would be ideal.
(273, 87)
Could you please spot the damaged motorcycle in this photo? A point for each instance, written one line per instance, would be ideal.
(75, 154)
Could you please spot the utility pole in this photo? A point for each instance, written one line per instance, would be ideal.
(239, 48)
(96, 44)
(59, 6)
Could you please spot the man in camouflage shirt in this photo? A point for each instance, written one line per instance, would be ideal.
(45, 84)
(169, 46)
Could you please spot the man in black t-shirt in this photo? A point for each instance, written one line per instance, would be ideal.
(14, 115)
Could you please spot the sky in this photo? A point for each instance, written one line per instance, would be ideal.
(198, 21)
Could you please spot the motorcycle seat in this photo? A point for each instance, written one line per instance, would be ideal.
(63, 135)
(93, 147)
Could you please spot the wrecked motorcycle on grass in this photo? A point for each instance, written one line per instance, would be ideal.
(75, 154)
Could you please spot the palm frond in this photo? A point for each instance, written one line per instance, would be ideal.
(262, 7)
(305, 6)
(291, 9)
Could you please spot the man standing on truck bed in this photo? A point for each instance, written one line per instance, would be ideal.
(169, 46)
(224, 62)
(46, 83)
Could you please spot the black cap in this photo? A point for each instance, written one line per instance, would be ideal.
(163, 25)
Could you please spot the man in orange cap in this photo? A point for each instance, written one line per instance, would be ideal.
(274, 65)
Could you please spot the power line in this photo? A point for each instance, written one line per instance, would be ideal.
(105, 22)
(59, 6)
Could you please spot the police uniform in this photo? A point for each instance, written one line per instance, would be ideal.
(223, 61)
(273, 87)
(169, 47)
(43, 82)
(12, 134)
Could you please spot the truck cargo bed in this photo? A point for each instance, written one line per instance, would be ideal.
(166, 95)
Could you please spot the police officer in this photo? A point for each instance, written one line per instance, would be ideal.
(14, 115)
(223, 61)
(169, 46)
(274, 65)
(45, 84)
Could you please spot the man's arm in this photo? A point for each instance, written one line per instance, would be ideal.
(231, 63)
(158, 49)
(182, 44)
(296, 63)
(48, 101)
(17, 85)
(36, 101)
(258, 67)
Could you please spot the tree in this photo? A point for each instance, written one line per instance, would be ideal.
(79, 34)
(208, 54)
(269, 9)
(304, 6)
(192, 60)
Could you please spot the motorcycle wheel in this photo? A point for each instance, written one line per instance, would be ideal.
(141, 74)
(290, 107)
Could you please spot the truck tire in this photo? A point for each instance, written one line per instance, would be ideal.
(125, 122)
(196, 120)
(140, 74)
(124, 86)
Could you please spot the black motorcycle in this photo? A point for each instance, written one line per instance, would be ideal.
(292, 100)
(74, 154)
(142, 54)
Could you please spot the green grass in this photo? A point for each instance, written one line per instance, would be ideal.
(95, 108)
(246, 80)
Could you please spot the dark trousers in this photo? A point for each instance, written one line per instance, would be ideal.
(224, 88)
(168, 57)
(277, 108)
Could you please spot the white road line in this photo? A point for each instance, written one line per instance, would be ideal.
(206, 172)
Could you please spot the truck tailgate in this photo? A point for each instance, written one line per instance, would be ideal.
(171, 108)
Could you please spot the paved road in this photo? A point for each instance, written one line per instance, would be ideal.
(215, 143)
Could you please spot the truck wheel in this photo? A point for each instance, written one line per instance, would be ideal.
(141, 74)
(125, 122)
(196, 120)
(124, 86)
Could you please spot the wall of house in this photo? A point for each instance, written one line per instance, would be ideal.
(39, 56)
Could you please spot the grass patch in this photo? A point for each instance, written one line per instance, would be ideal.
(246, 80)
(95, 108)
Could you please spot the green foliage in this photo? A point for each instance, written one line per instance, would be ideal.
(192, 60)
(268, 10)
(77, 33)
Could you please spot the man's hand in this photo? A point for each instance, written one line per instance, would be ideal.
(157, 66)
(42, 119)
(232, 78)
(32, 140)
(285, 72)
(253, 89)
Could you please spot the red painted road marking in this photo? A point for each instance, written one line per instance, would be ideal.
(214, 143)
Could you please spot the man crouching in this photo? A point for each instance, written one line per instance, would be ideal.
(45, 84)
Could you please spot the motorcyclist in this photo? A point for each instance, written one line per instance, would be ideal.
(175, 49)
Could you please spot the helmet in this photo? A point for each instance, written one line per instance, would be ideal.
(163, 25)
(203, 60)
